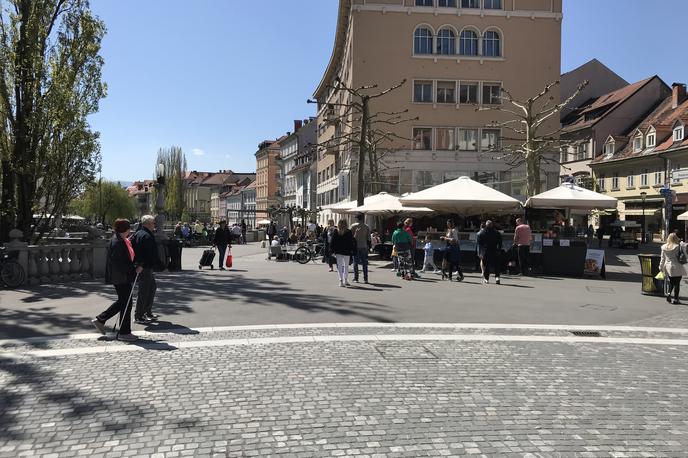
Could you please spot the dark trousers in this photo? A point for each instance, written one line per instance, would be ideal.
(675, 286)
(222, 249)
(119, 306)
(361, 257)
(450, 268)
(523, 255)
(491, 261)
(147, 288)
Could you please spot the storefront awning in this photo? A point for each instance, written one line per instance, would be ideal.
(639, 212)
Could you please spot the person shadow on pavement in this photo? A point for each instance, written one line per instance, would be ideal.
(167, 327)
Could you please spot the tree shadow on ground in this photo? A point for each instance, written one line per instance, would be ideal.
(190, 286)
(25, 384)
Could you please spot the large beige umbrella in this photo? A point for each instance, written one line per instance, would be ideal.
(341, 207)
(386, 204)
(568, 195)
(463, 196)
(682, 217)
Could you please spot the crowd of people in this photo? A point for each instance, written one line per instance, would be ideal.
(200, 233)
(345, 246)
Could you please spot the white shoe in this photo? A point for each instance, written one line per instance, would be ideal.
(497, 280)
(485, 282)
(347, 284)
(341, 284)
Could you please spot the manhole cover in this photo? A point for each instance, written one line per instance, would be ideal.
(405, 352)
(600, 289)
(608, 308)
(586, 333)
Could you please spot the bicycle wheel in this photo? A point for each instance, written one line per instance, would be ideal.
(12, 274)
(302, 255)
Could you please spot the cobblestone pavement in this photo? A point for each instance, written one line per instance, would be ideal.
(350, 396)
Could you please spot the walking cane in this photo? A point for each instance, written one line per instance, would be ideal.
(126, 309)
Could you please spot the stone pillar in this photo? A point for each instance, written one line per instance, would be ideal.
(16, 244)
(99, 247)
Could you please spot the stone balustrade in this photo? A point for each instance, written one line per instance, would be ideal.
(59, 263)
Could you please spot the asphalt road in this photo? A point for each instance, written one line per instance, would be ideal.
(257, 291)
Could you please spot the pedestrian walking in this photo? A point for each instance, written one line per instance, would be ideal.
(146, 251)
(222, 240)
(343, 248)
(489, 249)
(120, 271)
(522, 239)
(328, 233)
(243, 232)
(361, 232)
(672, 263)
(428, 259)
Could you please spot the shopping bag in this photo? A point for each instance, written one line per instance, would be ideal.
(228, 262)
(659, 276)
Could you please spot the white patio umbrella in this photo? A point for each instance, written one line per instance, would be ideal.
(341, 207)
(682, 217)
(386, 204)
(463, 196)
(568, 195)
(263, 222)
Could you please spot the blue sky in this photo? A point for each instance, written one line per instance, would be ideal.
(216, 77)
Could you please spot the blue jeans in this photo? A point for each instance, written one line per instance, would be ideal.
(222, 249)
(361, 257)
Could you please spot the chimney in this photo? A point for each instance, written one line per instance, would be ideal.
(678, 95)
(297, 124)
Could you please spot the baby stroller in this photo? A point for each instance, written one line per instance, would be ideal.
(405, 265)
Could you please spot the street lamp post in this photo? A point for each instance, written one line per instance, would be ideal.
(643, 195)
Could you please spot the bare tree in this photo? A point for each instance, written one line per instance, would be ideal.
(364, 132)
(529, 146)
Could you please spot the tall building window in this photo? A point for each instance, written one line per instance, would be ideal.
(422, 41)
(492, 4)
(424, 3)
(468, 139)
(446, 3)
(643, 178)
(469, 43)
(422, 138)
(678, 133)
(582, 151)
(446, 42)
(446, 92)
(491, 44)
(422, 91)
(444, 138)
(470, 3)
(638, 143)
(489, 140)
(630, 180)
(615, 181)
(468, 93)
(492, 94)
(601, 182)
(651, 140)
(658, 178)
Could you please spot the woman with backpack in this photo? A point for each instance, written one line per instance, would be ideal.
(671, 263)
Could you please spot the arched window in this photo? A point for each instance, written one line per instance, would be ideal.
(446, 42)
(491, 44)
(469, 43)
(422, 41)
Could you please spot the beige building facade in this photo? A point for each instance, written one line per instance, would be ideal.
(455, 56)
(268, 177)
(649, 157)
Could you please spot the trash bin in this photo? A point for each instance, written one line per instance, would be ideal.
(174, 250)
(649, 268)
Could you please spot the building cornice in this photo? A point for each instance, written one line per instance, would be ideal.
(343, 18)
(384, 9)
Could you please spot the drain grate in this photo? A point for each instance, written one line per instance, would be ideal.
(586, 333)
(600, 289)
(404, 352)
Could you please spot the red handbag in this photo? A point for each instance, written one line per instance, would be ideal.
(228, 262)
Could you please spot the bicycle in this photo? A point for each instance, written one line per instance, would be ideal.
(12, 274)
(310, 252)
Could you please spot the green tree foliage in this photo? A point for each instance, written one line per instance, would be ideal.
(104, 202)
(50, 81)
(174, 161)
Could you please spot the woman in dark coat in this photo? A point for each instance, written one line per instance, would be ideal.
(343, 247)
(222, 239)
(120, 271)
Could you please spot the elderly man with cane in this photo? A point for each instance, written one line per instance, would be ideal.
(121, 272)
(146, 256)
